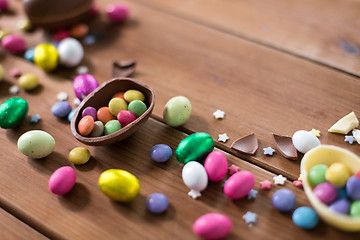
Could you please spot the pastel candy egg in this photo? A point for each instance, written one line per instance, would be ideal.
(12, 112)
(86, 125)
(79, 155)
(29, 54)
(216, 166)
(325, 192)
(1, 72)
(131, 95)
(83, 85)
(177, 111)
(125, 117)
(36, 144)
(355, 209)
(117, 12)
(79, 30)
(212, 226)
(284, 200)
(305, 217)
(119, 185)
(89, 111)
(157, 203)
(341, 206)
(195, 147)
(71, 114)
(160, 153)
(239, 185)
(317, 174)
(46, 56)
(28, 81)
(71, 52)
(195, 178)
(137, 107)
(116, 105)
(358, 175)
(13, 44)
(61, 109)
(104, 115)
(98, 129)
(119, 95)
(353, 188)
(111, 127)
(337, 174)
(62, 180)
(304, 141)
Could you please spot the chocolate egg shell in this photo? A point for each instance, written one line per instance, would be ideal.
(56, 14)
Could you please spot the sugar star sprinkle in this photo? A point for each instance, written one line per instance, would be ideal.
(82, 70)
(315, 132)
(14, 89)
(35, 118)
(252, 194)
(76, 102)
(62, 96)
(233, 169)
(218, 114)
(279, 180)
(298, 184)
(349, 139)
(268, 151)
(250, 218)
(265, 185)
(223, 137)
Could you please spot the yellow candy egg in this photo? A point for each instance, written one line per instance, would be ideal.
(119, 185)
(28, 81)
(79, 155)
(46, 56)
(131, 95)
(3, 33)
(337, 174)
(116, 105)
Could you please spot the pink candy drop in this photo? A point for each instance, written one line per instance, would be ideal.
(239, 185)
(117, 12)
(13, 44)
(212, 226)
(216, 166)
(62, 180)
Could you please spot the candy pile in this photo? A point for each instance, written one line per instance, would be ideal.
(123, 109)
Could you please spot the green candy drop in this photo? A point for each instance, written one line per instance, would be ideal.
(12, 112)
(355, 209)
(137, 107)
(317, 174)
(194, 148)
(111, 127)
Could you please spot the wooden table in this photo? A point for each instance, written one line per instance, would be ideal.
(272, 66)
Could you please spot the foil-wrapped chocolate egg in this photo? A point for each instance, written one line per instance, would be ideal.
(83, 85)
(46, 56)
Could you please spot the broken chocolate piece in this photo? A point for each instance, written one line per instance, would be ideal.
(247, 144)
(123, 69)
(285, 146)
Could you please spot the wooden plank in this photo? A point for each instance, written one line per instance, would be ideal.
(324, 31)
(13, 228)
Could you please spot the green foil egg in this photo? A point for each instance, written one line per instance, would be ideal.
(177, 111)
(12, 112)
(194, 148)
(46, 56)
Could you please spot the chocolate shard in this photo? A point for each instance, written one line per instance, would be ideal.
(285, 146)
(123, 69)
(248, 144)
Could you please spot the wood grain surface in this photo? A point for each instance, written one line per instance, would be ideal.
(261, 89)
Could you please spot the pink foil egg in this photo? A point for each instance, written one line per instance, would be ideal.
(212, 226)
(4, 5)
(62, 180)
(239, 185)
(84, 84)
(13, 44)
(216, 166)
(117, 12)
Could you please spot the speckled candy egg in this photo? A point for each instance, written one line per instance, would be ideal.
(46, 56)
(304, 141)
(239, 185)
(177, 111)
(70, 52)
(83, 85)
(12, 112)
(119, 185)
(36, 144)
(13, 44)
(212, 226)
(216, 166)
(62, 180)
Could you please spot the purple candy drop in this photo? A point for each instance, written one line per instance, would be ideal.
(61, 109)
(84, 84)
(353, 188)
(157, 203)
(89, 111)
(340, 206)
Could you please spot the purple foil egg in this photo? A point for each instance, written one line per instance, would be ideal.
(83, 85)
(89, 111)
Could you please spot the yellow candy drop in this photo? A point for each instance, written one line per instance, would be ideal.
(24, 24)
(116, 105)
(28, 81)
(79, 155)
(337, 174)
(119, 185)
(46, 56)
(131, 95)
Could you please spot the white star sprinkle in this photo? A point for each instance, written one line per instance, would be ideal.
(35, 118)
(279, 180)
(14, 89)
(219, 114)
(268, 151)
(223, 137)
(252, 194)
(250, 218)
(76, 102)
(82, 70)
(349, 139)
(62, 96)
